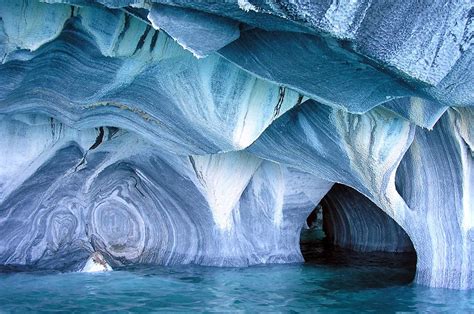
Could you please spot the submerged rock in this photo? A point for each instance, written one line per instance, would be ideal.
(175, 132)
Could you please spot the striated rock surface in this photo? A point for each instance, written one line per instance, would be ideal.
(352, 221)
(435, 178)
(199, 32)
(174, 132)
(108, 191)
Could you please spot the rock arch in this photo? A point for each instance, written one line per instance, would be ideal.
(364, 152)
(350, 220)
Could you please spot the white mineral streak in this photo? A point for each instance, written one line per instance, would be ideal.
(375, 158)
(461, 119)
(224, 178)
(246, 6)
(442, 238)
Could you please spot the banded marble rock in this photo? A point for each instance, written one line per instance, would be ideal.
(74, 193)
(174, 132)
(352, 221)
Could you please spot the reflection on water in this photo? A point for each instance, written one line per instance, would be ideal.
(368, 269)
(332, 280)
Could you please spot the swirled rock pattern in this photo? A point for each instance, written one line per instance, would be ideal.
(109, 191)
(130, 69)
(171, 131)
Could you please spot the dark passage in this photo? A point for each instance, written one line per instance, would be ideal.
(348, 231)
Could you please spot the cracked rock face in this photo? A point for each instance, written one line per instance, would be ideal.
(174, 132)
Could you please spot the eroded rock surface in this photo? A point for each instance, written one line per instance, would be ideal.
(174, 132)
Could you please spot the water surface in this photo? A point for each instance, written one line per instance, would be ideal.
(331, 282)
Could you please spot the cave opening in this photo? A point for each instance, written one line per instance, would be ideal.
(347, 232)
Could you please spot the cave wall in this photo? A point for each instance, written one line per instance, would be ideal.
(69, 193)
(350, 220)
(439, 194)
(205, 132)
(365, 153)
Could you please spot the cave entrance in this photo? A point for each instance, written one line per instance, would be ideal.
(348, 232)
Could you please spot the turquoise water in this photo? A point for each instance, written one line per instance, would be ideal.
(331, 282)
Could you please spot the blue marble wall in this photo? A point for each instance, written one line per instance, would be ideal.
(205, 132)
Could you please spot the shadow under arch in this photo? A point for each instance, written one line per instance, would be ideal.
(348, 232)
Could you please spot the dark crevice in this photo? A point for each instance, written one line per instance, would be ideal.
(137, 181)
(281, 97)
(299, 100)
(53, 126)
(371, 268)
(98, 139)
(154, 39)
(197, 172)
(138, 13)
(126, 26)
(142, 39)
(82, 162)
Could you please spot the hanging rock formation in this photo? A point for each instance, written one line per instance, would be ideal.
(174, 132)
(71, 193)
